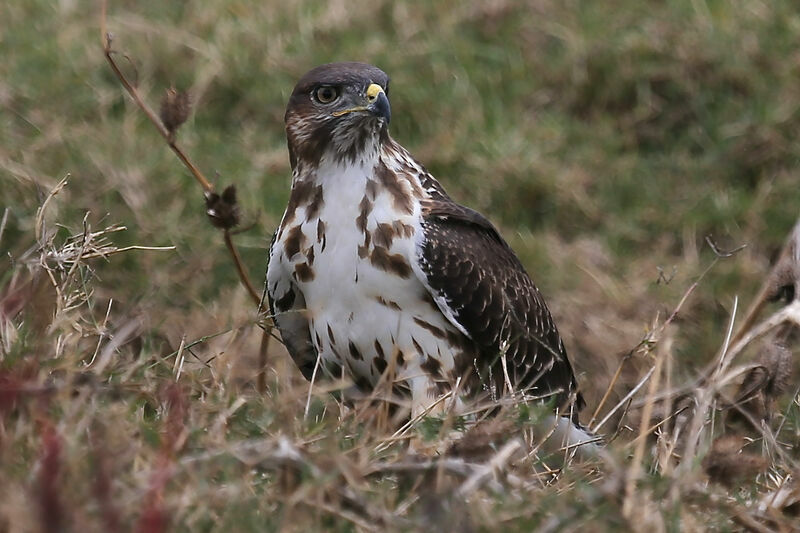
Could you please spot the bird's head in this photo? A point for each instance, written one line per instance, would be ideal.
(340, 110)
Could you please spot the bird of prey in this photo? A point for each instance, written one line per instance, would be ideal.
(375, 273)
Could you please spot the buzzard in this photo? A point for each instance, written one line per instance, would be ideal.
(377, 275)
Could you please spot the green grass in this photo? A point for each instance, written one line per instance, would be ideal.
(607, 140)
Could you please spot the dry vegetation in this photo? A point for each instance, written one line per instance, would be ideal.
(608, 143)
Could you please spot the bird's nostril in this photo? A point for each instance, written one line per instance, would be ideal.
(373, 91)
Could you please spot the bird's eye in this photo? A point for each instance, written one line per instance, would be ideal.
(326, 94)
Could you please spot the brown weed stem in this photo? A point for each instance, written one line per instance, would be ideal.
(169, 137)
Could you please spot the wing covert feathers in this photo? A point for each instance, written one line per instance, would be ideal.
(492, 298)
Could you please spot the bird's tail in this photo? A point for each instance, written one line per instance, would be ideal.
(570, 438)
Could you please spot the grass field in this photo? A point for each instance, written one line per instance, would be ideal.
(607, 140)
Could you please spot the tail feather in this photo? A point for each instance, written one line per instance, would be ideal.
(569, 437)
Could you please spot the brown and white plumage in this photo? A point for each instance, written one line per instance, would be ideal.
(375, 272)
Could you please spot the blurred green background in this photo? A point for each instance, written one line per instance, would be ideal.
(606, 139)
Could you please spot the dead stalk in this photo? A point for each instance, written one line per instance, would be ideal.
(207, 186)
(237, 262)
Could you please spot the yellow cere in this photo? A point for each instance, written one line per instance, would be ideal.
(373, 91)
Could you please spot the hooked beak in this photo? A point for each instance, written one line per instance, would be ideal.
(377, 104)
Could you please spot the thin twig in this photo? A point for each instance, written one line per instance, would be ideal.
(723, 254)
(610, 387)
(261, 379)
(625, 399)
(654, 427)
(686, 295)
(704, 397)
(494, 465)
(789, 313)
(102, 332)
(177, 368)
(725, 345)
(106, 253)
(3, 223)
(237, 261)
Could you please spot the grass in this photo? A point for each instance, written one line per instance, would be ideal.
(607, 141)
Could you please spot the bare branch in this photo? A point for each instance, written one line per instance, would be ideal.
(177, 110)
(723, 254)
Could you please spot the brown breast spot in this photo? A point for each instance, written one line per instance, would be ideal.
(372, 189)
(379, 351)
(393, 184)
(384, 235)
(432, 366)
(318, 340)
(301, 194)
(304, 272)
(379, 364)
(388, 303)
(365, 208)
(417, 346)
(317, 201)
(401, 229)
(400, 358)
(435, 331)
(331, 336)
(320, 230)
(393, 263)
(295, 239)
(354, 352)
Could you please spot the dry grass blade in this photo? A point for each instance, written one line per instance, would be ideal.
(624, 400)
(609, 388)
(790, 313)
(39, 229)
(784, 272)
(3, 223)
(635, 467)
(494, 465)
(704, 397)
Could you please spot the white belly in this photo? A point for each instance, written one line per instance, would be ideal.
(358, 312)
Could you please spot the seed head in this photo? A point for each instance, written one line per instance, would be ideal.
(175, 108)
(223, 209)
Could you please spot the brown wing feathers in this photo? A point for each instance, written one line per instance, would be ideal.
(494, 300)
